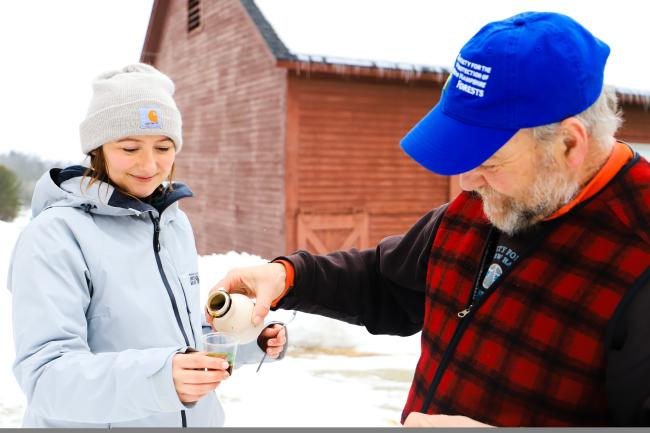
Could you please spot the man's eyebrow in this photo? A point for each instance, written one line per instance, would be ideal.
(494, 159)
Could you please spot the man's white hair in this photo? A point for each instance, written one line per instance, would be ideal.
(601, 120)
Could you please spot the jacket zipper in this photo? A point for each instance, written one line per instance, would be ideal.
(156, 250)
(187, 308)
(465, 316)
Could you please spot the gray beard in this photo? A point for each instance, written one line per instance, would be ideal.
(550, 191)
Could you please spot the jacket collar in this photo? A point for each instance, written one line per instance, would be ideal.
(117, 198)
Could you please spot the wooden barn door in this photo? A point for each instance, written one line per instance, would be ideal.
(323, 233)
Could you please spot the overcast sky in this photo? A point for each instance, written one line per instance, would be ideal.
(431, 32)
(51, 50)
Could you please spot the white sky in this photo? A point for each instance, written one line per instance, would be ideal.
(431, 32)
(51, 50)
(50, 53)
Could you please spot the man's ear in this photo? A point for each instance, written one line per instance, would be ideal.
(575, 142)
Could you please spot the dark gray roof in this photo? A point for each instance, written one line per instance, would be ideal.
(376, 64)
(280, 51)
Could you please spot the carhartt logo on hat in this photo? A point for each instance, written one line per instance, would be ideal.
(150, 118)
(529, 70)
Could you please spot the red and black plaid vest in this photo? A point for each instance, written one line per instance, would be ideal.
(533, 354)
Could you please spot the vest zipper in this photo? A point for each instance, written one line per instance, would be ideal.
(486, 251)
(156, 250)
(465, 312)
(460, 329)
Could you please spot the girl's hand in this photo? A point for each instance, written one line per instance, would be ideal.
(196, 374)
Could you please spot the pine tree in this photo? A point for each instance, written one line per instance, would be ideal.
(9, 194)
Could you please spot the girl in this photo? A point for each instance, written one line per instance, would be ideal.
(105, 286)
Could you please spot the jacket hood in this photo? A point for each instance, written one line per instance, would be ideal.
(68, 188)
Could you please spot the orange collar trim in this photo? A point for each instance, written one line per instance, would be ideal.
(621, 155)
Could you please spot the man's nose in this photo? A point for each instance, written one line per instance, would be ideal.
(471, 180)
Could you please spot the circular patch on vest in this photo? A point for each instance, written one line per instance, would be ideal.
(493, 274)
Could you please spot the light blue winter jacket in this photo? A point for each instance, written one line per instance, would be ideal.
(101, 303)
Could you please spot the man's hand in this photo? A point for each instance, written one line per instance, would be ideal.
(417, 419)
(197, 374)
(264, 283)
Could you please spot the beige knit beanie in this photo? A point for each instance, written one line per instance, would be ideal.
(136, 100)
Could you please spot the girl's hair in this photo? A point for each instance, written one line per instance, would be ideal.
(98, 172)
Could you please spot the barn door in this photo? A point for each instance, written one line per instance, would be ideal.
(322, 233)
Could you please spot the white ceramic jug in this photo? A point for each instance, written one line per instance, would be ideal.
(231, 313)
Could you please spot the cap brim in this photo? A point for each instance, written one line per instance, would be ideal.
(447, 146)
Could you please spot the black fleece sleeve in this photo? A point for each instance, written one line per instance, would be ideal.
(628, 357)
(381, 288)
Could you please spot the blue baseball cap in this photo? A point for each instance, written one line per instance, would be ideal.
(531, 69)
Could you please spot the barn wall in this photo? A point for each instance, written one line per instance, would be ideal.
(343, 154)
(232, 97)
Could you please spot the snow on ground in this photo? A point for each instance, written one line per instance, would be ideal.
(334, 374)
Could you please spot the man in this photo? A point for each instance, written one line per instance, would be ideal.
(531, 287)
